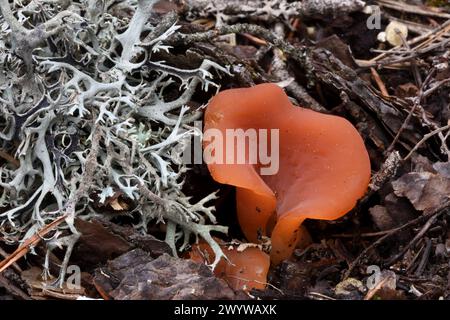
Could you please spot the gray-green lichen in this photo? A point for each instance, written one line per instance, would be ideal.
(83, 110)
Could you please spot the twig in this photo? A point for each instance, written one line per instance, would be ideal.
(433, 34)
(416, 105)
(424, 139)
(373, 291)
(387, 235)
(280, 70)
(379, 82)
(13, 289)
(58, 295)
(419, 235)
(435, 87)
(412, 262)
(320, 296)
(425, 257)
(31, 242)
(363, 235)
(4, 254)
(403, 7)
(403, 127)
(261, 32)
(414, 27)
(422, 44)
(415, 69)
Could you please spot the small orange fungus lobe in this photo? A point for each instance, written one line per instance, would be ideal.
(322, 167)
(244, 270)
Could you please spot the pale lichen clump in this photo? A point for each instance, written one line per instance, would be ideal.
(84, 111)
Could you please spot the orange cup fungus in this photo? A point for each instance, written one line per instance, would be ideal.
(323, 166)
(245, 269)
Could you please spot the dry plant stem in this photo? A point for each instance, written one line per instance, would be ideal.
(435, 87)
(298, 53)
(412, 263)
(319, 296)
(363, 235)
(435, 39)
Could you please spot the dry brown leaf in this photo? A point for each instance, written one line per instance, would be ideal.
(427, 191)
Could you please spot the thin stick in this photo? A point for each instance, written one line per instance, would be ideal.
(425, 257)
(402, 7)
(380, 240)
(424, 139)
(380, 83)
(5, 255)
(12, 288)
(33, 241)
(419, 235)
(432, 35)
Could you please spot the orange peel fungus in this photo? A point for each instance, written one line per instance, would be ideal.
(322, 167)
(245, 269)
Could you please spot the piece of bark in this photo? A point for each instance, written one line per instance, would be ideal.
(96, 245)
(14, 285)
(340, 50)
(269, 10)
(137, 276)
(146, 242)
